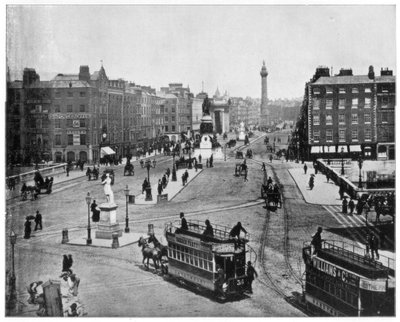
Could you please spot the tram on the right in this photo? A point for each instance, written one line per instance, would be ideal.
(340, 281)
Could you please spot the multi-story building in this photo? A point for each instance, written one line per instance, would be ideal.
(351, 115)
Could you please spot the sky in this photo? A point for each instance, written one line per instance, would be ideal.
(220, 45)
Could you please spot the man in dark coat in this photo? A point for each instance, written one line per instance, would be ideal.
(209, 231)
(305, 168)
(38, 221)
(235, 231)
(317, 241)
(199, 158)
(28, 228)
(144, 185)
(251, 272)
(95, 211)
(184, 224)
(351, 206)
(160, 187)
(344, 206)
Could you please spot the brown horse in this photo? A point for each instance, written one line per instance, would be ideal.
(148, 252)
(162, 252)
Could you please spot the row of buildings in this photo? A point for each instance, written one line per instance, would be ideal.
(74, 116)
(347, 115)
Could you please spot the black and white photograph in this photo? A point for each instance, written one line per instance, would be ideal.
(199, 159)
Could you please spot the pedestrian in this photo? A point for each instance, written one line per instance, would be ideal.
(316, 241)
(168, 172)
(209, 231)
(263, 167)
(144, 185)
(305, 168)
(184, 224)
(251, 272)
(183, 179)
(159, 187)
(186, 176)
(74, 310)
(270, 158)
(341, 192)
(67, 264)
(373, 246)
(199, 158)
(311, 182)
(220, 280)
(67, 170)
(327, 177)
(95, 211)
(351, 206)
(211, 161)
(344, 206)
(28, 228)
(164, 181)
(38, 220)
(195, 164)
(316, 168)
(245, 175)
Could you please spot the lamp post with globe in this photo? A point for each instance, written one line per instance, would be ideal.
(360, 164)
(88, 201)
(341, 153)
(126, 191)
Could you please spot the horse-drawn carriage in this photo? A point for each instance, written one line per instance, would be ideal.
(92, 174)
(158, 253)
(239, 155)
(240, 169)
(271, 195)
(231, 143)
(41, 186)
(129, 168)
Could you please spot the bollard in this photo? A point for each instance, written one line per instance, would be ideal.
(64, 236)
(115, 242)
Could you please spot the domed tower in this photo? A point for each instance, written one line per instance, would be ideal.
(264, 113)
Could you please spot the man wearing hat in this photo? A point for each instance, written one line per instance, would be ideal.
(38, 221)
(251, 272)
(184, 224)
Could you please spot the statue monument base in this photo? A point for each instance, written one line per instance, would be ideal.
(108, 223)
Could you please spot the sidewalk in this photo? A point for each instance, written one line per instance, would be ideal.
(172, 189)
(324, 193)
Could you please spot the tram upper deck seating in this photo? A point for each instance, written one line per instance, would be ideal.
(196, 229)
(353, 261)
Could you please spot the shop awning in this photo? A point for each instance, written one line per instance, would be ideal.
(106, 150)
(330, 149)
(316, 149)
(355, 148)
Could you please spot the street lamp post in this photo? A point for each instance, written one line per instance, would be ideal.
(149, 197)
(341, 153)
(88, 201)
(173, 167)
(190, 158)
(13, 293)
(360, 163)
(127, 218)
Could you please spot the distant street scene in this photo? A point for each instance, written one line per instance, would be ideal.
(166, 161)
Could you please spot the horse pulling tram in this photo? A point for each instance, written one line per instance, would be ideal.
(340, 281)
(193, 258)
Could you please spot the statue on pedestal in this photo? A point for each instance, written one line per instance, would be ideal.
(206, 106)
(107, 189)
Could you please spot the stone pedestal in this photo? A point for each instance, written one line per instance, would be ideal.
(108, 223)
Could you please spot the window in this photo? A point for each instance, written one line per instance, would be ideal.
(316, 103)
(58, 94)
(316, 91)
(58, 139)
(329, 119)
(82, 94)
(354, 103)
(342, 103)
(316, 136)
(384, 101)
(342, 90)
(70, 139)
(39, 123)
(173, 110)
(82, 108)
(316, 119)
(329, 104)
(166, 119)
(342, 135)
(354, 135)
(69, 108)
(70, 94)
(354, 118)
(368, 134)
(83, 139)
(57, 124)
(173, 128)
(367, 118)
(354, 90)
(385, 136)
(329, 90)
(341, 119)
(384, 117)
(329, 135)
(82, 123)
(57, 108)
(367, 102)
(166, 128)
(173, 118)
(367, 90)
(69, 123)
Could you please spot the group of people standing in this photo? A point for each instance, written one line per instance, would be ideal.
(27, 226)
(163, 182)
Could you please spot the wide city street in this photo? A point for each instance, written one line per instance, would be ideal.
(115, 283)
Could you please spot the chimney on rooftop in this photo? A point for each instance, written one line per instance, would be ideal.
(371, 73)
(346, 72)
(386, 72)
(84, 74)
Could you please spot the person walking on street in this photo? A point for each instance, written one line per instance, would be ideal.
(27, 228)
(159, 187)
(327, 177)
(195, 164)
(211, 161)
(359, 207)
(207, 163)
(305, 168)
(251, 272)
(344, 206)
(316, 241)
(311, 182)
(351, 206)
(38, 220)
(341, 192)
(144, 185)
(199, 158)
(184, 224)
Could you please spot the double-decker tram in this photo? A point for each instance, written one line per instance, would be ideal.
(342, 281)
(194, 258)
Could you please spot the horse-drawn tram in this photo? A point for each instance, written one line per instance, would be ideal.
(339, 281)
(216, 263)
